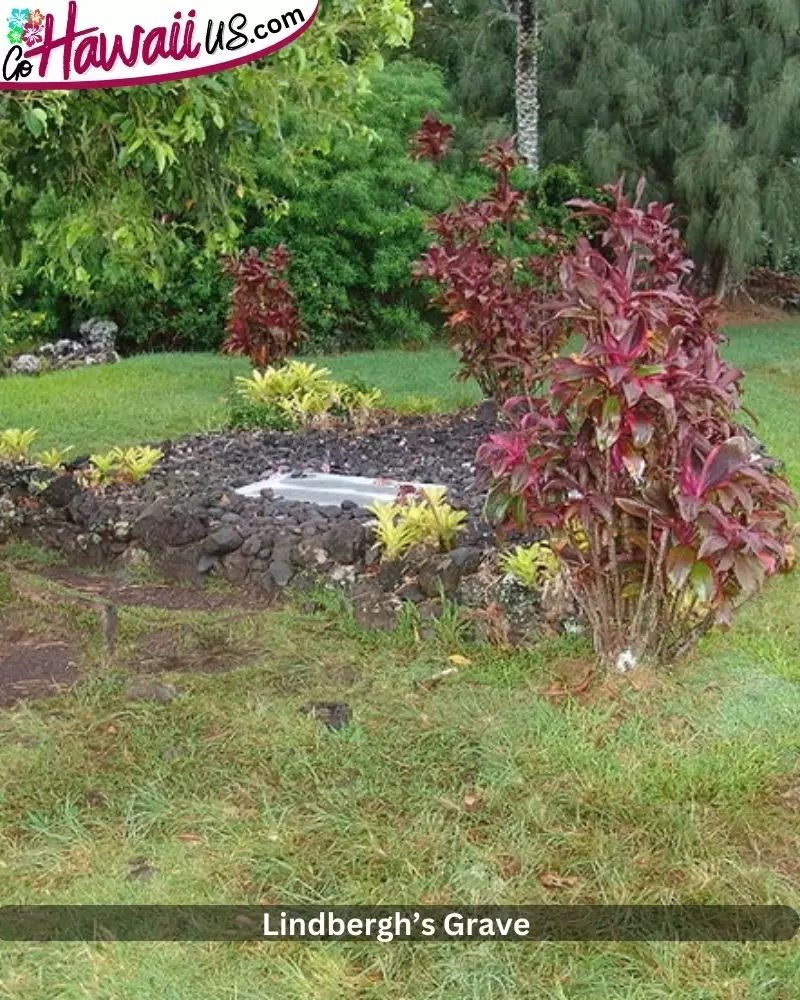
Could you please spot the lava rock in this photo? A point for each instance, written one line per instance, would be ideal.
(372, 608)
(466, 558)
(236, 567)
(223, 541)
(439, 574)
(253, 545)
(390, 574)
(161, 527)
(60, 492)
(180, 564)
(346, 542)
(206, 563)
(281, 572)
(26, 364)
(411, 592)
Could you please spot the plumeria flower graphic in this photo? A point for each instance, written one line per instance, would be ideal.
(19, 18)
(33, 34)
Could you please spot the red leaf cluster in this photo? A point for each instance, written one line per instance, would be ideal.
(264, 322)
(637, 440)
(497, 304)
(432, 141)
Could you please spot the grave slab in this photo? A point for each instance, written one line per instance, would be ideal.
(328, 489)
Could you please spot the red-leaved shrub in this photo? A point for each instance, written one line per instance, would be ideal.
(264, 323)
(630, 451)
(497, 301)
(432, 140)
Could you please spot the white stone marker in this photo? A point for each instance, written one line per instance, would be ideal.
(329, 489)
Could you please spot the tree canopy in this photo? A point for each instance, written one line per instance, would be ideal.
(702, 97)
(111, 181)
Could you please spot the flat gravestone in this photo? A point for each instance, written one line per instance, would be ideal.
(330, 490)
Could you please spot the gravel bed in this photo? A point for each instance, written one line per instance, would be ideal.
(438, 449)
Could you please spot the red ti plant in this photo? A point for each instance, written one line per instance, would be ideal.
(494, 297)
(631, 453)
(264, 322)
(432, 141)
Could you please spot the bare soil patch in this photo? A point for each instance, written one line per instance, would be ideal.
(171, 650)
(33, 665)
(168, 598)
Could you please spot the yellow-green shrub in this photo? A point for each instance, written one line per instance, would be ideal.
(297, 394)
(426, 519)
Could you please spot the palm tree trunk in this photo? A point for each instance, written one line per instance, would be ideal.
(528, 81)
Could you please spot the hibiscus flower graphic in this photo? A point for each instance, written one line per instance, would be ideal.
(19, 18)
(15, 36)
(33, 34)
(35, 18)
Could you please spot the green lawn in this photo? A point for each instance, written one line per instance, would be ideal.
(468, 793)
(153, 397)
(686, 791)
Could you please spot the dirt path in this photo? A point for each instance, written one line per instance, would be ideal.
(43, 635)
(170, 598)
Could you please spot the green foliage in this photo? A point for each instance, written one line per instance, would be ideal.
(424, 519)
(699, 97)
(53, 458)
(15, 444)
(474, 41)
(135, 464)
(418, 405)
(23, 328)
(103, 191)
(122, 465)
(531, 565)
(356, 219)
(297, 394)
(244, 414)
(187, 313)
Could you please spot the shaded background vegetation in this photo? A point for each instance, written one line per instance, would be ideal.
(121, 202)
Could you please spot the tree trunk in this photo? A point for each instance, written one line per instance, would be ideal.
(528, 81)
(721, 277)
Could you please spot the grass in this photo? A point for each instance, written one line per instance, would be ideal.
(685, 790)
(678, 793)
(154, 397)
(151, 398)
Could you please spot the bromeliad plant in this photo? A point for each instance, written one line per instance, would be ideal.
(421, 517)
(15, 444)
(533, 566)
(264, 322)
(121, 465)
(298, 394)
(635, 443)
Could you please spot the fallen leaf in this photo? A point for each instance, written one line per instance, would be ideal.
(550, 880)
(190, 838)
(554, 690)
(459, 661)
(473, 803)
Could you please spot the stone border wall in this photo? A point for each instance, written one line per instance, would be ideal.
(270, 546)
